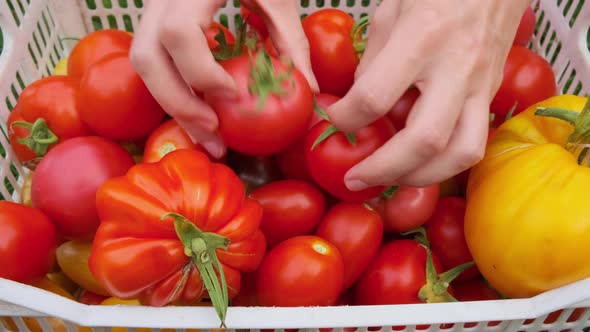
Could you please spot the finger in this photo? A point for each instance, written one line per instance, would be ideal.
(379, 31)
(372, 96)
(465, 149)
(435, 115)
(181, 34)
(285, 29)
(165, 83)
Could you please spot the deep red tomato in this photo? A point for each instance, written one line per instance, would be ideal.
(291, 161)
(46, 113)
(474, 290)
(94, 46)
(526, 28)
(357, 231)
(400, 111)
(211, 34)
(332, 49)
(115, 103)
(65, 182)
(247, 295)
(446, 236)
(528, 79)
(255, 21)
(302, 271)
(291, 208)
(169, 136)
(28, 241)
(271, 111)
(329, 160)
(90, 298)
(408, 207)
(395, 276)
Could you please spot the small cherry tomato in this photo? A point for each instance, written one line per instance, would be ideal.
(408, 207)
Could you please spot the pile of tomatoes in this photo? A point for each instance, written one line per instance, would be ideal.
(121, 206)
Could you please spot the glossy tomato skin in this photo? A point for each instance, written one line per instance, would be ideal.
(526, 28)
(52, 99)
(72, 258)
(95, 46)
(291, 161)
(445, 231)
(211, 33)
(400, 111)
(115, 103)
(167, 137)
(291, 208)
(357, 231)
(528, 79)
(64, 184)
(282, 120)
(28, 240)
(333, 57)
(329, 161)
(302, 271)
(408, 208)
(395, 276)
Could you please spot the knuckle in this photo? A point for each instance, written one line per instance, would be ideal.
(140, 60)
(470, 156)
(431, 141)
(171, 33)
(370, 104)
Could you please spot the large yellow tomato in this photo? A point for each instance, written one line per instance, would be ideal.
(527, 222)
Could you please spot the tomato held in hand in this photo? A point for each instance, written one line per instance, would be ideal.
(115, 103)
(447, 238)
(213, 31)
(72, 257)
(28, 241)
(526, 28)
(46, 113)
(255, 21)
(290, 208)
(357, 231)
(169, 136)
(407, 207)
(95, 46)
(273, 107)
(65, 183)
(400, 111)
(329, 160)
(398, 275)
(332, 46)
(528, 79)
(291, 161)
(302, 271)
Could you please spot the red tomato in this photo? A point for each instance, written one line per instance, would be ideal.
(528, 79)
(90, 298)
(332, 49)
(291, 208)
(66, 181)
(271, 111)
(395, 276)
(269, 46)
(115, 103)
(169, 136)
(474, 290)
(95, 46)
(401, 109)
(302, 271)
(52, 99)
(408, 208)
(446, 236)
(28, 240)
(526, 28)
(357, 231)
(211, 33)
(255, 21)
(329, 160)
(247, 295)
(291, 161)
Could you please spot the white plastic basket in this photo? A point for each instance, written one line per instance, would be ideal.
(31, 31)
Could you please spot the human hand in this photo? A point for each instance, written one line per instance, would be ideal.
(171, 55)
(454, 52)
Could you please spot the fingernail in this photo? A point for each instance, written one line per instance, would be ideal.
(356, 185)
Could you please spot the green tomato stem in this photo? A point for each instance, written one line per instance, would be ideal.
(40, 137)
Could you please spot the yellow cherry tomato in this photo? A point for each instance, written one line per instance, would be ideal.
(527, 223)
(61, 68)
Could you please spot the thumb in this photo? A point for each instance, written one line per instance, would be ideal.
(284, 26)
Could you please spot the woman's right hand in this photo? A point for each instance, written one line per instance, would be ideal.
(171, 55)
